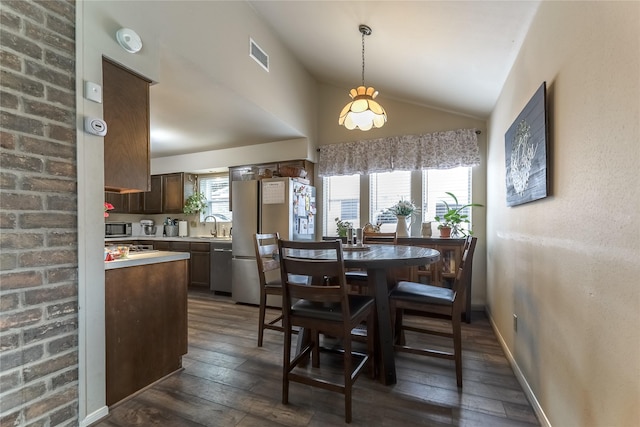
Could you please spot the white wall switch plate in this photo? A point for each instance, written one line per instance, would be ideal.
(93, 92)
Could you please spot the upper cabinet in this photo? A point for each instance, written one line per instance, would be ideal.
(127, 166)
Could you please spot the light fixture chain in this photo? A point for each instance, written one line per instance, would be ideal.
(363, 58)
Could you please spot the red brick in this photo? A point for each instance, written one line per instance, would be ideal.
(48, 148)
(49, 366)
(18, 162)
(50, 294)
(10, 241)
(48, 184)
(45, 258)
(28, 9)
(21, 124)
(21, 280)
(20, 319)
(7, 140)
(9, 302)
(10, 60)
(8, 181)
(62, 203)
(22, 84)
(30, 220)
(61, 133)
(48, 111)
(23, 356)
(19, 397)
(62, 274)
(49, 75)
(49, 403)
(20, 44)
(63, 169)
(20, 202)
(65, 9)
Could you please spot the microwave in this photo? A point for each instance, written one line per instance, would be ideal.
(117, 229)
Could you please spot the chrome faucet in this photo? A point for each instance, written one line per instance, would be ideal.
(213, 232)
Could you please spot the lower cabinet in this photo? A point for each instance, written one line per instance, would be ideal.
(200, 265)
(146, 325)
(209, 265)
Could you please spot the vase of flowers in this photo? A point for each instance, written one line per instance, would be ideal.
(403, 210)
(107, 207)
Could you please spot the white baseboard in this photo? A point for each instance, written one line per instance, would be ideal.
(542, 418)
(95, 416)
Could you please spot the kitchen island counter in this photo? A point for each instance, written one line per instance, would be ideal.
(145, 320)
(145, 258)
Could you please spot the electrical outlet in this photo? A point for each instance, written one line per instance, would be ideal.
(515, 322)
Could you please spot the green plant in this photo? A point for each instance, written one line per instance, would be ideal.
(454, 217)
(342, 227)
(195, 203)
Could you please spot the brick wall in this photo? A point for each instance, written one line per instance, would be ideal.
(38, 205)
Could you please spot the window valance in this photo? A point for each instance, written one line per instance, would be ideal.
(439, 150)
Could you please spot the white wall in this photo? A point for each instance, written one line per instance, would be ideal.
(568, 265)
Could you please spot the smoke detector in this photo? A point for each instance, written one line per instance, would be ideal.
(129, 40)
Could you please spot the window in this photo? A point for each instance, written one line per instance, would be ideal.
(437, 182)
(342, 196)
(385, 190)
(341, 199)
(216, 190)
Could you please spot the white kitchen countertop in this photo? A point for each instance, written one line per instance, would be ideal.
(170, 239)
(146, 258)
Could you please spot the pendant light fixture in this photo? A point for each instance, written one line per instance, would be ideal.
(363, 112)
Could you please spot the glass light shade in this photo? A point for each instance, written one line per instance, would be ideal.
(363, 112)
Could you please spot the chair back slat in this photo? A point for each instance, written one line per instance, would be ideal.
(266, 247)
(464, 271)
(380, 238)
(322, 263)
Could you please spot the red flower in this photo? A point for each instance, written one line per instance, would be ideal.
(107, 207)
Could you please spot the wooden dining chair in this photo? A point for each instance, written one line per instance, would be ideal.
(434, 302)
(322, 307)
(266, 246)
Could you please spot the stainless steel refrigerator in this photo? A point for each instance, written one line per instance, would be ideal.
(282, 205)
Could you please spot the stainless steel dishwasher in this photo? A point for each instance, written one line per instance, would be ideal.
(221, 270)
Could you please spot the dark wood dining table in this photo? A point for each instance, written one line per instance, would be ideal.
(378, 260)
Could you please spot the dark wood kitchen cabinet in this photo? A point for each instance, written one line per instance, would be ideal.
(148, 202)
(199, 262)
(200, 265)
(173, 196)
(119, 201)
(145, 324)
(126, 145)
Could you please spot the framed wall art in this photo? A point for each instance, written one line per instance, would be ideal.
(526, 152)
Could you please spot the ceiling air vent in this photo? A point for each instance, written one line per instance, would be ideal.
(258, 54)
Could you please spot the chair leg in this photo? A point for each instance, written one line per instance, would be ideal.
(457, 348)
(286, 364)
(398, 330)
(261, 317)
(347, 378)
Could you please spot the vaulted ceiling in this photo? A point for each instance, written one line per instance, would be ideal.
(450, 55)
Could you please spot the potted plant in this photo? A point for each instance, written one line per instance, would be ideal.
(342, 227)
(452, 220)
(195, 203)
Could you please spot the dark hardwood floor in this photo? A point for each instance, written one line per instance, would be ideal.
(228, 381)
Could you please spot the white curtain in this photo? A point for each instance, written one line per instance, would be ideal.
(439, 150)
